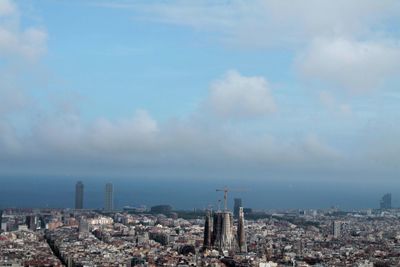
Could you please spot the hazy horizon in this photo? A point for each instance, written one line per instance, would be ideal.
(42, 192)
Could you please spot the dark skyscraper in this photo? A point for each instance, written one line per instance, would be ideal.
(108, 198)
(241, 237)
(236, 206)
(386, 201)
(79, 195)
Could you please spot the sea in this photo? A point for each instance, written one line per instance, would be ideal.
(192, 193)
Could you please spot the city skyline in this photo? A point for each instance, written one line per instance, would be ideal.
(199, 195)
(233, 204)
(296, 96)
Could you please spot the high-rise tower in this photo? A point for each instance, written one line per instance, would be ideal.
(108, 198)
(79, 195)
(386, 201)
(241, 237)
(236, 206)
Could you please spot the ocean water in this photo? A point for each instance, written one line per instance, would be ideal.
(190, 193)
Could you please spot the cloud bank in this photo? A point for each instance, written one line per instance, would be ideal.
(210, 141)
(237, 127)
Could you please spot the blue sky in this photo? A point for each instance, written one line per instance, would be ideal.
(200, 88)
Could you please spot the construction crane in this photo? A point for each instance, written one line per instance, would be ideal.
(226, 190)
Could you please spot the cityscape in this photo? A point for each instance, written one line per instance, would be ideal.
(162, 236)
(220, 133)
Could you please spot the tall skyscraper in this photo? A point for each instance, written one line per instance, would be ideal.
(108, 198)
(79, 195)
(240, 232)
(236, 206)
(386, 201)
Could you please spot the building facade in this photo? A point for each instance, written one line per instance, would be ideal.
(386, 201)
(109, 198)
(79, 195)
(236, 205)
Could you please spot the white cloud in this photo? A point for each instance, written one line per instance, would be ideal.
(20, 50)
(124, 135)
(59, 141)
(354, 65)
(269, 22)
(7, 7)
(15, 41)
(238, 96)
(67, 133)
(65, 143)
(350, 44)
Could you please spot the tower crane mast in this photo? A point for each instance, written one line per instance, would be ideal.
(226, 190)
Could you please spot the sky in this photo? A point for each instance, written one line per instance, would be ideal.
(260, 89)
